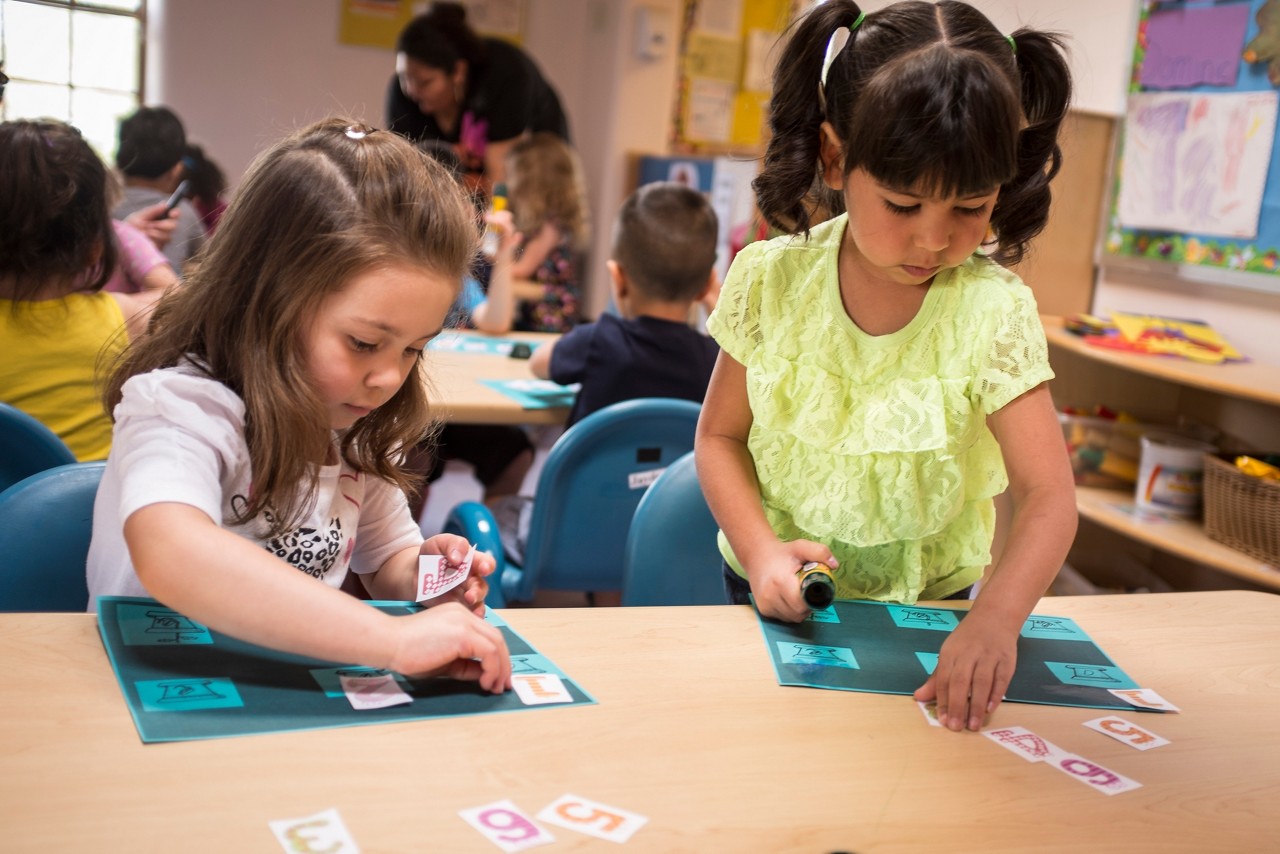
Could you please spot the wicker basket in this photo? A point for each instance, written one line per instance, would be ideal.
(1242, 511)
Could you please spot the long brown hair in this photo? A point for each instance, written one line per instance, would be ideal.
(328, 203)
(921, 94)
(545, 184)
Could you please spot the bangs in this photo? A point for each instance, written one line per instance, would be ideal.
(937, 122)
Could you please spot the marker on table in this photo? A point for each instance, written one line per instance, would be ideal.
(816, 585)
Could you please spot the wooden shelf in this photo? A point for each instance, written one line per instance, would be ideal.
(1115, 509)
(1246, 380)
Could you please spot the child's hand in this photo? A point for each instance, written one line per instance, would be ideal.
(974, 667)
(772, 574)
(155, 223)
(471, 592)
(446, 640)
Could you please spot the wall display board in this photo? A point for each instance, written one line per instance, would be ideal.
(1196, 188)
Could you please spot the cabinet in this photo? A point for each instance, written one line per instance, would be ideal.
(1241, 400)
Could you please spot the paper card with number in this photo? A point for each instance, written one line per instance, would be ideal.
(592, 818)
(1130, 733)
(534, 689)
(323, 831)
(1144, 698)
(503, 824)
(436, 576)
(1025, 743)
(1092, 774)
(373, 692)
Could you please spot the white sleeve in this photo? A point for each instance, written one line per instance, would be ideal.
(178, 438)
(386, 527)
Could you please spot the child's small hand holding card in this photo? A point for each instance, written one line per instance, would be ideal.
(436, 576)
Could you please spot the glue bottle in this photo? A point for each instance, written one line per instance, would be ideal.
(492, 236)
(816, 585)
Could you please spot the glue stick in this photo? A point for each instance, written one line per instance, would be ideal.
(489, 244)
(816, 585)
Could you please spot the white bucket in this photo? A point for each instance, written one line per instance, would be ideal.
(1170, 473)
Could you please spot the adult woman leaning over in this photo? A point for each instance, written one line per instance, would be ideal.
(477, 93)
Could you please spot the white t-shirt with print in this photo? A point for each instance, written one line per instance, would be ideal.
(179, 437)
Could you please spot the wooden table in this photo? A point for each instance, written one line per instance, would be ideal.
(455, 391)
(692, 731)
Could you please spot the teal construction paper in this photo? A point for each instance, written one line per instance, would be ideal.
(896, 647)
(273, 691)
(154, 624)
(535, 394)
(453, 342)
(824, 615)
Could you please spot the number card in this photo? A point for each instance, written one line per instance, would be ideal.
(1091, 774)
(1130, 733)
(1025, 743)
(930, 712)
(592, 818)
(505, 826)
(323, 831)
(373, 692)
(436, 576)
(534, 689)
(1144, 698)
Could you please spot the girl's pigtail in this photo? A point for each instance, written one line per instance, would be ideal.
(789, 185)
(1045, 81)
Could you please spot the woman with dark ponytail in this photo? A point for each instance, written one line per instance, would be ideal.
(882, 376)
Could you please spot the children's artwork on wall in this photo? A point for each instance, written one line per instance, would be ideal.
(1196, 183)
(1197, 162)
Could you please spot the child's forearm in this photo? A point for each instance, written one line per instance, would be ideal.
(728, 478)
(1042, 530)
(496, 313)
(231, 584)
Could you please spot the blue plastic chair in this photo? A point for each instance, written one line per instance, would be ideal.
(475, 522)
(45, 524)
(672, 557)
(587, 493)
(27, 446)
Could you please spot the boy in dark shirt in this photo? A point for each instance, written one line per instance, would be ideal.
(664, 251)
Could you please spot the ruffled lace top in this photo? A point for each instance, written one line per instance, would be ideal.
(878, 446)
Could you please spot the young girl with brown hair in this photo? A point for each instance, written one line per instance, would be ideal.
(259, 428)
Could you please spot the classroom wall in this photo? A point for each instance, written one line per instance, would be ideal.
(241, 73)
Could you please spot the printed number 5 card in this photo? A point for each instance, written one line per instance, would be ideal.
(184, 681)
(892, 649)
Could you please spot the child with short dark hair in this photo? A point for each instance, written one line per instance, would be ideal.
(152, 143)
(663, 258)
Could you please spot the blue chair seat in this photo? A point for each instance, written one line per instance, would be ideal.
(586, 496)
(46, 521)
(27, 446)
(672, 557)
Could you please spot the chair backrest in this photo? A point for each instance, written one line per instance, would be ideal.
(588, 490)
(27, 446)
(474, 522)
(672, 557)
(45, 524)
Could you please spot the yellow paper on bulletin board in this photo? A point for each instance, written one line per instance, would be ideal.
(712, 57)
(373, 23)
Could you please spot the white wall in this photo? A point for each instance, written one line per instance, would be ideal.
(242, 73)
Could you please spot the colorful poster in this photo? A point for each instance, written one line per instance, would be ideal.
(1196, 162)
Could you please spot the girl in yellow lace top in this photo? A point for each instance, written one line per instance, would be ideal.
(882, 377)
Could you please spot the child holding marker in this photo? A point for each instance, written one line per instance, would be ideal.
(259, 427)
(882, 376)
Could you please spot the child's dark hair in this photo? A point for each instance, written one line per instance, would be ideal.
(333, 201)
(206, 177)
(440, 37)
(665, 241)
(152, 141)
(922, 96)
(54, 217)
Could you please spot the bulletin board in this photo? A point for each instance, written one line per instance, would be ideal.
(724, 73)
(1196, 186)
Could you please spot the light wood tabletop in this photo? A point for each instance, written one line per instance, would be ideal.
(457, 395)
(692, 731)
